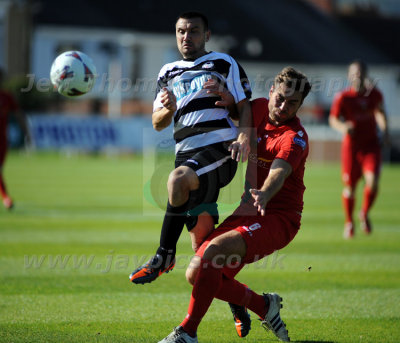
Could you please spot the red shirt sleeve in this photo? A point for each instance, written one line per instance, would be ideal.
(293, 149)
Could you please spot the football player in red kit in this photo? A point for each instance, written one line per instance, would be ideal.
(8, 105)
(357, 112)
(267, 219)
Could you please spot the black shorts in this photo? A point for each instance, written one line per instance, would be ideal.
(214, 167)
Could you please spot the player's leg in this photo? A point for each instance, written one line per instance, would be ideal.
(181, 182)
(218, 266)
(200, 227)
(195, 181)
(7, 201)
(351, 173)
(240, 314)
(371, 172)
(210, 276)
(228, 247)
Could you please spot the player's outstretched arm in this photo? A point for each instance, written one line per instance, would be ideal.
(240, 148)
(162, 116)
(278, 173)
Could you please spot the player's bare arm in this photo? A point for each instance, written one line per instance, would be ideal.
(278, 173)
(240, 148)
(162, 117)
(381, 120)
(344, 127)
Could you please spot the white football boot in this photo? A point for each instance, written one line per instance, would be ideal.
(178, 335)
(272, 320)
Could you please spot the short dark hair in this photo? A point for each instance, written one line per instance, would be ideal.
(193, 14)
(361, 64)
(293, 79)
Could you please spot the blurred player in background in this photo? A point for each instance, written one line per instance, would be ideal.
(268, 217)
(8, 106)
(357, 112)
(207, 143)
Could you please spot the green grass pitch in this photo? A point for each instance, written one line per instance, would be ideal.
(82, 223)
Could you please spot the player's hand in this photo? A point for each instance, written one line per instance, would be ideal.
(348, 128)
(240, 148)
(215, 87)
(260, 200)
(168, 100)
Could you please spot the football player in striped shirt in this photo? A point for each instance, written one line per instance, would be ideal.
(208, 144)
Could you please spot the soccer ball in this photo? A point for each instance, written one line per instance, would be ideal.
(73, 73)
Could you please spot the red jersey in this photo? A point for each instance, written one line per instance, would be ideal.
(360, 110)
(288, 142)
(7, 105)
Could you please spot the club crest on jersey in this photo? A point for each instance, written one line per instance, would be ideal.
(300, 141)
(208, 65)
(300, 133)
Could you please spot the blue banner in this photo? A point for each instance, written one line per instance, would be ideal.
(91, 133)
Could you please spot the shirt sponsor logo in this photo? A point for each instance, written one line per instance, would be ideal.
(186, 87)
(300, 141)
(264, 159)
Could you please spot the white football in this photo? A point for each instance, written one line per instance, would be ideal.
(73, 73)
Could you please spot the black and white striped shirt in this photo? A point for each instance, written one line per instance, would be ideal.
(198, 122)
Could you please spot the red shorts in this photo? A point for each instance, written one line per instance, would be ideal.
(356, 162)
(263, 235)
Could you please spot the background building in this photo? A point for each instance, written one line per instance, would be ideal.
(130, 41)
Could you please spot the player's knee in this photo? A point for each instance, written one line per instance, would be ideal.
(215, 254)
(203, 227)
(371, 180)
(193, 269)
(348, 192)
(176, 179)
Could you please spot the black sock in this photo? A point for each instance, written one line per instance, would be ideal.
(172, 227)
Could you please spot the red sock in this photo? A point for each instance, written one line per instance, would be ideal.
(238, 293)
(348, 204)
(208, 282)
(3, 190)
(368, 200)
